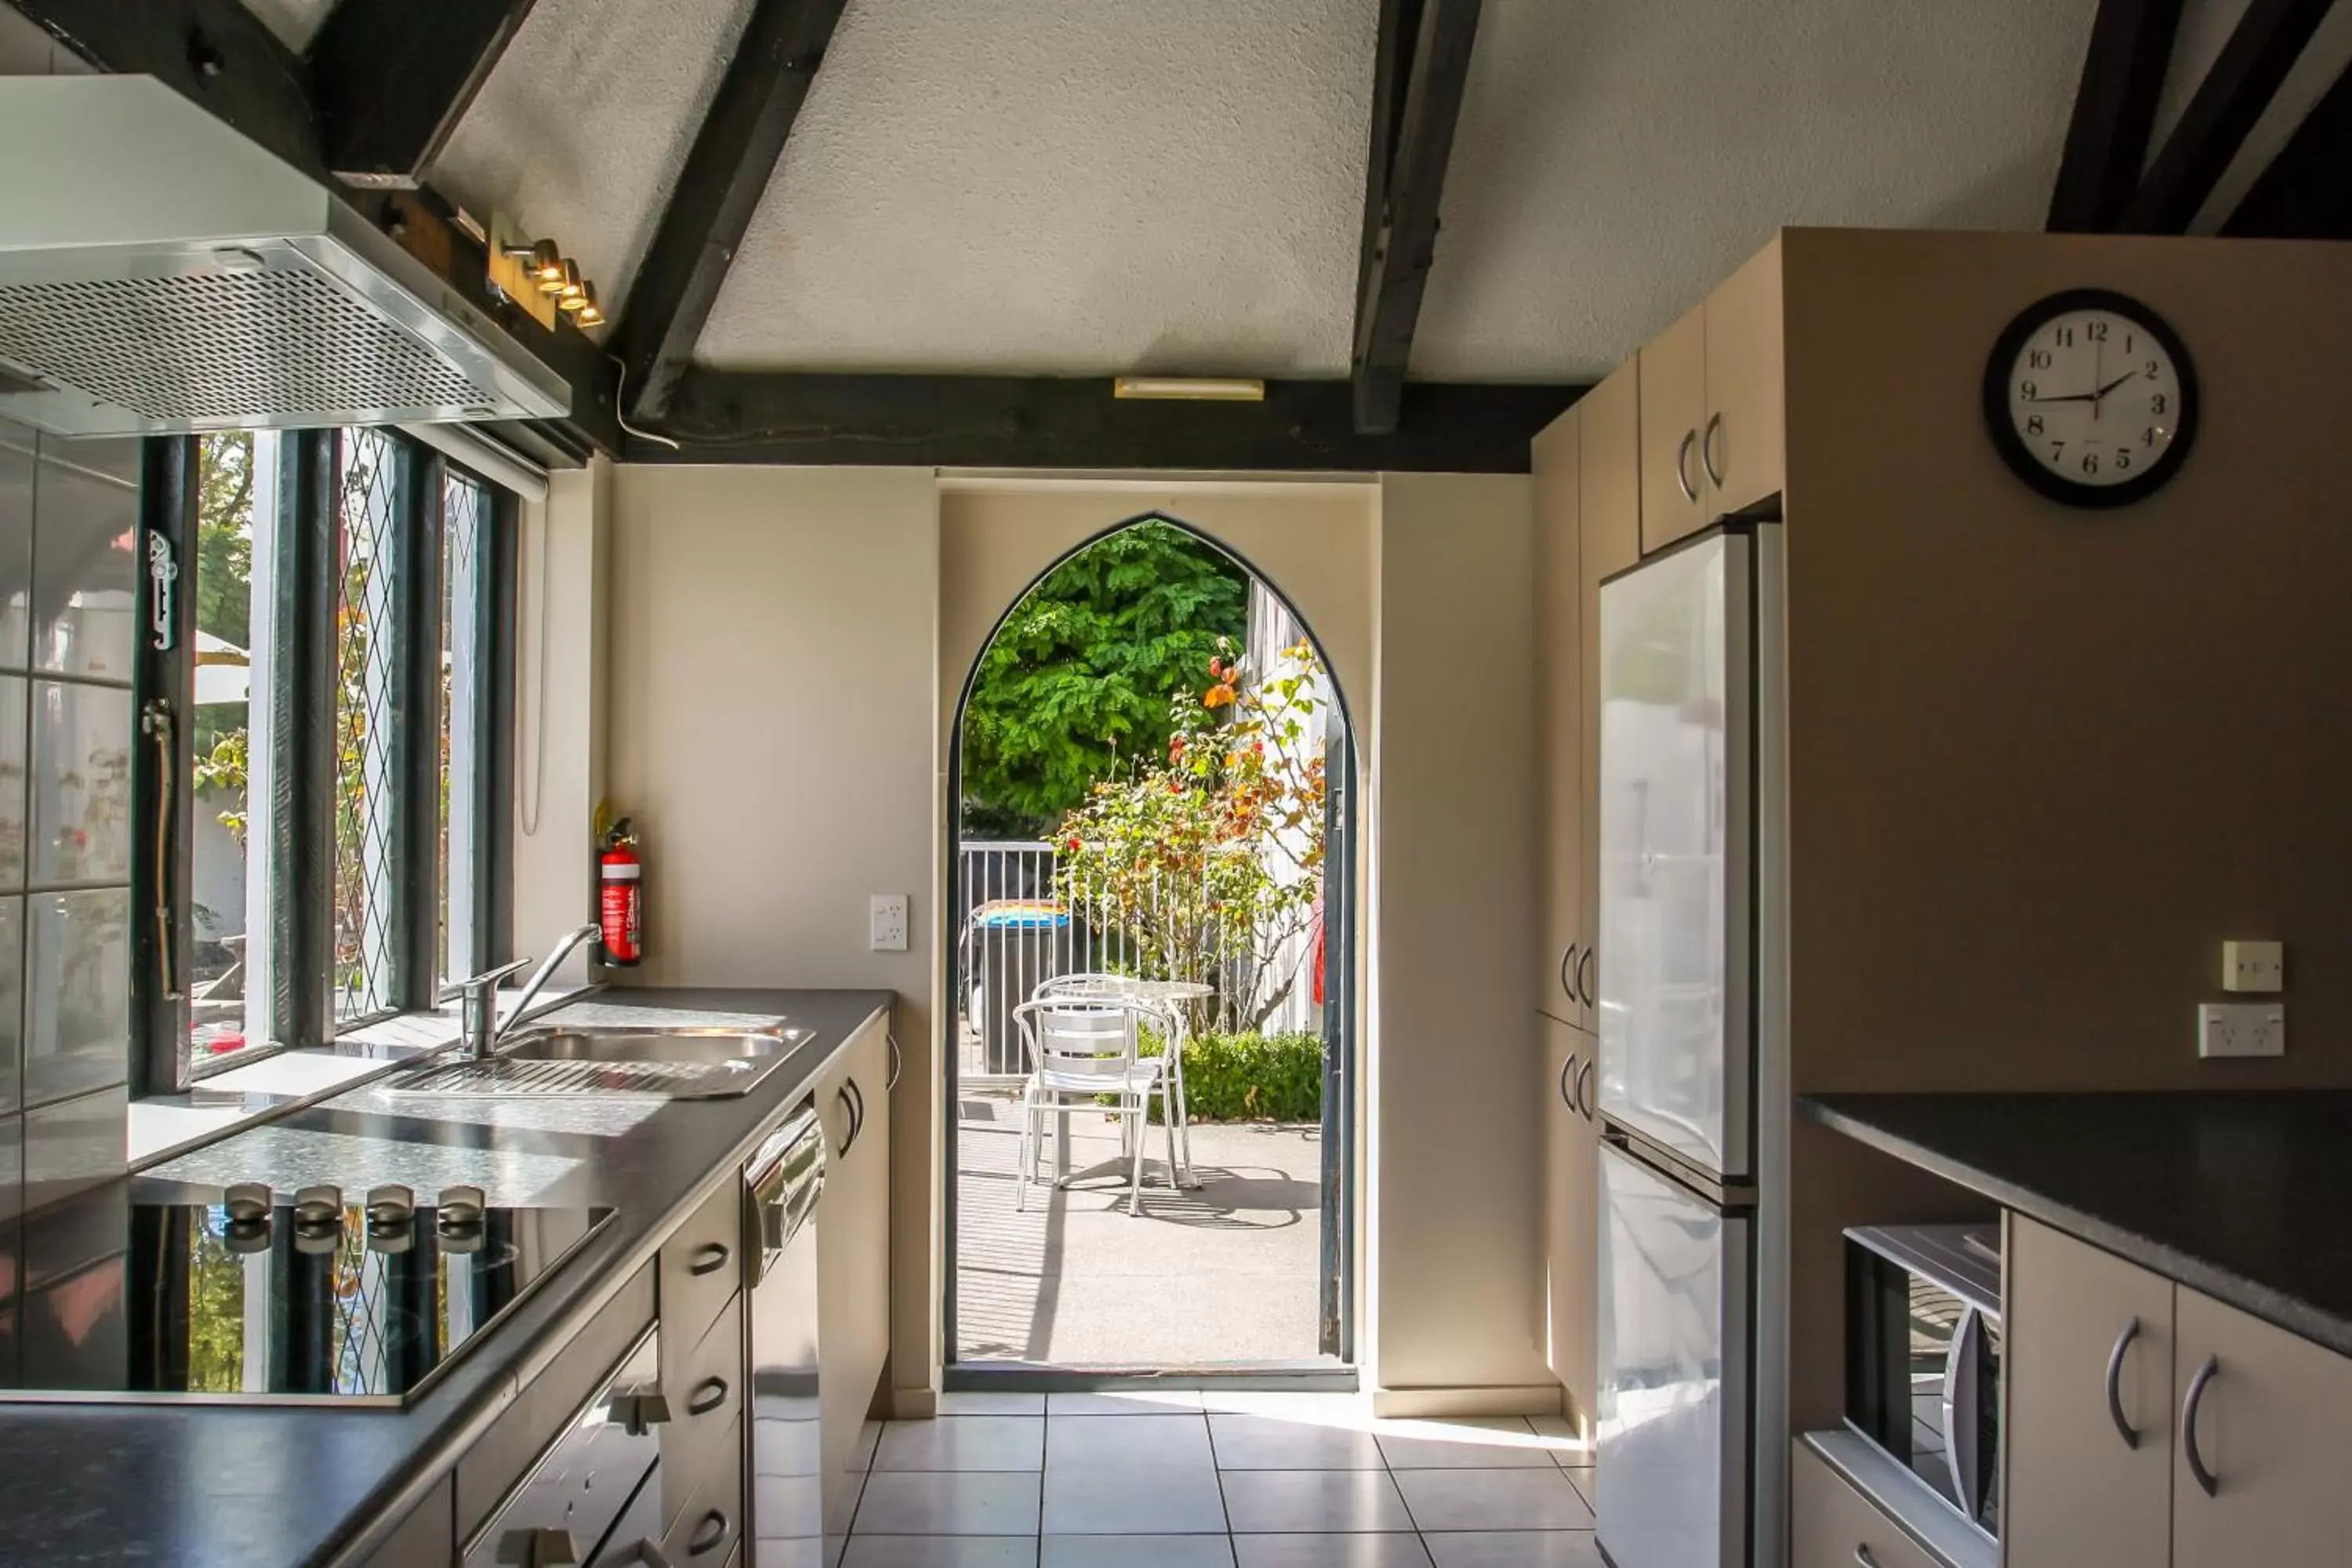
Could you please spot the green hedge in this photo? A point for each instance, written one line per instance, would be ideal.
(1250, 1076)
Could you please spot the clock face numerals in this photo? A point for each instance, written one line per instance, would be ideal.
(2094, 397)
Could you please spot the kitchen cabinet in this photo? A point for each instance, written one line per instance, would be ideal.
(425, 1538)
(1714, 407)
(852, 1241)
(2269, 1417)
(1571, 1208)
(1832, 1525)
(1559, 723)
(2087, 1352)
(1609, 541)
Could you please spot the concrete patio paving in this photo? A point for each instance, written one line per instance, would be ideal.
(1221, 1275)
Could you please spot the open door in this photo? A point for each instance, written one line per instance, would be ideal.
(1338, 984)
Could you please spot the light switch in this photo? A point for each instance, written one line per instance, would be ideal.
(2241, 1029)
(886, 923)
(2258, 967)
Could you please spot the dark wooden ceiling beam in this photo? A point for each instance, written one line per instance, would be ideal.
(2114, 111)
(392, 79)
(2261, 49)
(1421, 71)
(709, 209)
(2306, 192)
(1043, 422)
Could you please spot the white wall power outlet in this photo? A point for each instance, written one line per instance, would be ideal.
(2258, 967)
(886, 923)
(2240, 1029)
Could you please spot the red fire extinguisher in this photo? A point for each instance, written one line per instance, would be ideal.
(622, 897)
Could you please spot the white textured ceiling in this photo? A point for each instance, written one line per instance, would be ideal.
(586, 120)
(1089, 186)
(1072, 185)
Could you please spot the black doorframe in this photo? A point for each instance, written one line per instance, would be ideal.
(1335, 1308)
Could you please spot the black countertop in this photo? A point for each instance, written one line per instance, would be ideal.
(2238, 1194)
(216, 1484)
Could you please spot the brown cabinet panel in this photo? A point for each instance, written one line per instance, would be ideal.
(1674, 412)
(1571, 1199)
(1830, 1525)
(708, 1530)
(853, 1245)
(2076, 1489)
(427, 1538)
(1743, 444)
(702, 1265)
(1559, 724)
(705, 1390)
(1609, 531)
(2272, 1429)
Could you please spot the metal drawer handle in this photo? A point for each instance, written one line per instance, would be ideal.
(709, 1258)
(708, 1395)
(1706, 449)
(1682, 466)
(1584, 1089)
(1584, 967)
(898, 1064)
(709, 1535)
(2206, 1482)
(2116, 1382)
(849, 1104)
(1568, 963)
(1862, 1555)
(1568, 1073)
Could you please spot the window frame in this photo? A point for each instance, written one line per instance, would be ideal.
(292, 832)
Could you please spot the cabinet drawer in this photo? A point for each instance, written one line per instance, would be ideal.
(702, 1265)
(709, 1528)
(585, 1483)
(1832, 1525)
(705, 1388)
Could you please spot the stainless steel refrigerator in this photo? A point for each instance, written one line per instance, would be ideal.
(1693, 1084)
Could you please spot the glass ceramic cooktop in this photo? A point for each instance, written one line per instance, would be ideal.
(255, 1300)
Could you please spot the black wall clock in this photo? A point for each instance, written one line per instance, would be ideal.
(2091, 398)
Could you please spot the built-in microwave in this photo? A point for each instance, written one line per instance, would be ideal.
(1923, 1354)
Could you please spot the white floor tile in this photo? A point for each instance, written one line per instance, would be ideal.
(870, 1439)
(1499, 1443)
(1127, 1442)
(1323, 1409)
(1571, 1451)
(990, 1402)
(1330, 1551)
(1515, 1548)
(1312, 1501)
(941, 1552)
(968, 1502)
(1493, 1499)
(1287, 1443)
(1125, 1401)
(1155, 1499)
(965, 1443)
(1136, 1552)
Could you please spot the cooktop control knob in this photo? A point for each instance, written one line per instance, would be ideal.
(461, 1206)
(321, 1205)
(246, 1203)
(390, 1205)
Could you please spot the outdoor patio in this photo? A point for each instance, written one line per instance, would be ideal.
(1225, 1273)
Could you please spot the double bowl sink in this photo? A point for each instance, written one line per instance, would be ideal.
(666, 1063)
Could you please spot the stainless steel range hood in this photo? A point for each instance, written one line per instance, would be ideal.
(161, 272)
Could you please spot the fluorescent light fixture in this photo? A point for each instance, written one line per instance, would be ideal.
(1196, 389)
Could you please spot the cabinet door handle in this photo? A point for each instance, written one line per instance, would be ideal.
(708, 1395)
(849, 1107)
(1706, 449)
(1568, 961)
(709, 1258)
(709, 1535)
(1862, 1555)
(2206, 1482)
(1567, 1075)
(1584, 1088)
(1682, 466)
(2115, 1384)
(898, 1065)
(1584, 968)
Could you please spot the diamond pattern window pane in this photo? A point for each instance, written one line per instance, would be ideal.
(367, 657)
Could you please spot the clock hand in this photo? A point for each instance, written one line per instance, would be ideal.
(2117, 381)
(2070, 398)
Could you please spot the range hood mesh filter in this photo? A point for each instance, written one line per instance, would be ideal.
(216, 346)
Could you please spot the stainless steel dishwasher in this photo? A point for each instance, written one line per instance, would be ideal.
(782, 1183)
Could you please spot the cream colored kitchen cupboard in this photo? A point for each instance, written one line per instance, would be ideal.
(1714, 407)
(1609, 540)
(1830, 1525)
(2088, 1370)
(1572, 1209)
(853, 1258)
(2268, 1416)
(1559, 723)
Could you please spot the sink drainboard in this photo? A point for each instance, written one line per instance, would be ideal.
(509, 1077)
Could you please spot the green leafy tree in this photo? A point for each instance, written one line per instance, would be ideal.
(1080, 676)
(224, 563)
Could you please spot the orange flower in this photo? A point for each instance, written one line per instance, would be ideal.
(1218, 697)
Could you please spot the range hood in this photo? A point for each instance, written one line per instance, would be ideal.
(160, 272)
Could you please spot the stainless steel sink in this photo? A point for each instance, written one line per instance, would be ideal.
(663, 1063)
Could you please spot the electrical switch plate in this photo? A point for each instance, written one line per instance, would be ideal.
(2240, 1029)
(2254, 966)
(887, 922)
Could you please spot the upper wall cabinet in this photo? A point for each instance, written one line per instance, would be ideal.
(1559, 724)
(1714, 407)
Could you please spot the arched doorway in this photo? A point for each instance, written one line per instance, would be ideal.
(1239, 1259)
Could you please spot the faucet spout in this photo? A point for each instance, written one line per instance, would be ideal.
(539, 977)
